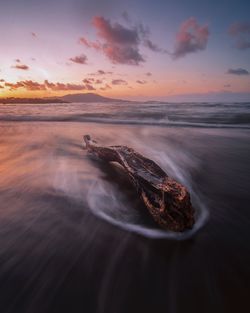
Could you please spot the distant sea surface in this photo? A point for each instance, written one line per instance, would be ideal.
(74, 237)
(235, 115)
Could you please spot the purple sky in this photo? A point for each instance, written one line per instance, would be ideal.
(160, 49)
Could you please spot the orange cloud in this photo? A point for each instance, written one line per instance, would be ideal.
(33, 86)
(27, 84)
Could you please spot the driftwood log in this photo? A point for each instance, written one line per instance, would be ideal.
(167, 200)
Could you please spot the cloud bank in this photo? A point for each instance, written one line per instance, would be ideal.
(46, 85)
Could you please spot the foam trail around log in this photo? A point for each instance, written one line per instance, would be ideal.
(103, 203)
(107, 201)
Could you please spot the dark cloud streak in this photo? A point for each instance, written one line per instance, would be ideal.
(241, 32)
(152, 46)
(238, 71)
(239, 28)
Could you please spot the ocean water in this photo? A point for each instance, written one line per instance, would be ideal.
(219, 115)
(76, 238)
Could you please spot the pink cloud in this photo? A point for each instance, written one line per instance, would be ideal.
(191, 37)
(101, 72)
(81, 59)
(120, 44)
(21, 67)
(119, 82)
(90, 44)
(106, 87)
(115, 33)
(84, 42)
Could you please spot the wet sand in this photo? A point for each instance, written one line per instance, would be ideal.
(58, 256)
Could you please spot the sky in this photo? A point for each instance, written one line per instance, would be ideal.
(137, 50)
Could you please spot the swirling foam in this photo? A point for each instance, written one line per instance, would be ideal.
(104, 203)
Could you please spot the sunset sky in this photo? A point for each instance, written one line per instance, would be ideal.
(127, 49)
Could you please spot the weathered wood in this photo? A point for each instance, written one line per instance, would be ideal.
(167, 200)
